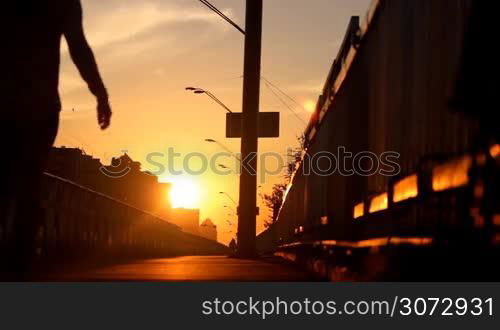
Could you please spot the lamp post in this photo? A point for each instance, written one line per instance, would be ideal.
(247, 215)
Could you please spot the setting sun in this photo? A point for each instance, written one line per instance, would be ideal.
(185, 194)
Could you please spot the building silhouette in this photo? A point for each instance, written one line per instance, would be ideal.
(135, 187)
(187, 219)
(208, 230)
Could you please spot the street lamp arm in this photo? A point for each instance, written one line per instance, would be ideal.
(229, 207)
(229, 196)
(213, 97)
(197, 90)
(228, 150)
(225, 148)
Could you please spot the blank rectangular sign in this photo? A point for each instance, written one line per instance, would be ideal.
(269, 124)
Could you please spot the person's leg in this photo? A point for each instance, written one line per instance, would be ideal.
(39, 136)
(9, 146)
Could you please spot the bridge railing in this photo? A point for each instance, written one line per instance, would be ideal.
(351, 40)
(390, 95)
(78, 221)
(442, 202)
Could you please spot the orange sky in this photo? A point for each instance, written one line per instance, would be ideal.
(149, 50)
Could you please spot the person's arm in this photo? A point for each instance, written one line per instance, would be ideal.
(84, 59)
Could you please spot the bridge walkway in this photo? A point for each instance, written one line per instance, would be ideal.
(190, 269)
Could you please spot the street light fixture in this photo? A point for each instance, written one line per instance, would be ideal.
(228, 196)
(228, 169)
(229, 207)
(248, 211)
(224, 147)
(197, 90)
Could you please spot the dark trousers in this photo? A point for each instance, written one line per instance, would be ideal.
(25, 146)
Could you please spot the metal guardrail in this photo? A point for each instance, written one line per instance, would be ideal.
(432, 197)
(445, 177)
(355, 32)
(351, 41)
(455, 188)
(81, 222)
(352, 38)
(458, 203)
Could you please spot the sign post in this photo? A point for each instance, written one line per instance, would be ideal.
(247, 218)
(268, 125)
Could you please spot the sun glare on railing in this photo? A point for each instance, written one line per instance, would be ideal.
(378, 203)
(324, 220)
(453, 174)
(495, 151)
(406, 188)
(359, 210)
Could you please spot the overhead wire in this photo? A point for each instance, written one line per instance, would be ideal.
(221, 14)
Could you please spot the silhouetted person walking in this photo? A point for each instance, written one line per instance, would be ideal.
(31, 32)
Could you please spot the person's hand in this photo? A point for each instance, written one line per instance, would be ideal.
(103, 114)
